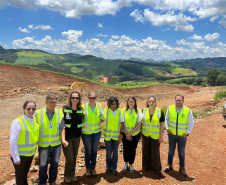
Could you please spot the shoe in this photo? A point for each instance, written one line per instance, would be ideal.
(52, 183)
(158, 175)
(88, 173)
(74, 179)
(146, 169)
(125, 168)
(67, 179)
(131, 169)
(170, 167)
(115, 172)
(94, 173)
(108, 170)
(183, 172)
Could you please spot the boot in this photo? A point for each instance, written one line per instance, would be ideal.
(94, 173)
(183, 172)
(88, 173)
(170, 167)
(67, 180)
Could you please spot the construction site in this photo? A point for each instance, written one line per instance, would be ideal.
(205, 150)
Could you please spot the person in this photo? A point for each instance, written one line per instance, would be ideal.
(91, 132)
(112, 133)
(23, 142)
(131, 125)
(49, 146)
(73, 116)
(179, 124)
(152, 136)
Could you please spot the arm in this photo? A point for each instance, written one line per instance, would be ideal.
(191, 123)
(121, 130)
(167, 122)
(162, 125)
(64, 142)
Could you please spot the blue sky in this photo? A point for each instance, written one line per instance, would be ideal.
(157, 29)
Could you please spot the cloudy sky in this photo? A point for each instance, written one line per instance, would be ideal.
(157, 29)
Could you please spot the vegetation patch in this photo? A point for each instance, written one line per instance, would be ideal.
(181, 70)
(220, 94)
(31, 60)
(37, 54)
(76, 70)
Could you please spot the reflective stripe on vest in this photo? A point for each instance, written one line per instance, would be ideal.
(49, 139)
(178, 123)
(152, 128)
(28, 136)
(89, 128)
(129, 129)
(108, 131)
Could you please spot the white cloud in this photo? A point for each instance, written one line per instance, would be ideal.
(100, 25)
(40, 27)
(212, 38)
(214, 18)
(223, 22)
(196, 37)
(180, 21)
(23, 30)
(115, 37)
(101, 35)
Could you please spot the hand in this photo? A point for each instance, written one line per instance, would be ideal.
(120, 138)
(160, 139)
(65, 143)
(169, 132)
(17, 163)
(128, 136)
(184, 135)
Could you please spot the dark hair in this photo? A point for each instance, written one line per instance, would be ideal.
(79, 105)
(148, 100)
(135, 106)
(51, 97)
(180, 96)
(27, 102)
(92, 93)
(111, 100)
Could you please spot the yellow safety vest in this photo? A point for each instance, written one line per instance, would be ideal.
(112, 124)
(49, 136)
(28, 138)
(130, 121)
(178, 123)
(152, 128)
(93, 122)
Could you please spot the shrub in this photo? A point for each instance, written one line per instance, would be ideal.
(164, 109)
(220, 94)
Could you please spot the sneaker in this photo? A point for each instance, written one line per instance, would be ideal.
(74, 179)
(88, 173)
(131, 169)
(125, 168)
(115, 172)
(67, 179)
(94, 173)
(108, 170)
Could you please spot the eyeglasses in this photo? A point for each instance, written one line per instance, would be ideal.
(52, 102)
(151, 102)
(92, 98)
(77, 98)
(33, 109)
(178, 100)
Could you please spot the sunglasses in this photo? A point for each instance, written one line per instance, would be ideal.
(77, 98)
(33, 109)
(92, 98)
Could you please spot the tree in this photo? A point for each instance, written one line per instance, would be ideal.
(199, 80)
(221, 79)
(114, 80)
(212, 76)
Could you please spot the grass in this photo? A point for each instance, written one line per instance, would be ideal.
(37, 54)
(149, 70)
(76, 70)
(181, 70)
(164, 109)
(220, 94)
(31, 60)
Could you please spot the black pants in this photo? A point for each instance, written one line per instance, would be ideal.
(129, 148)
(151, 155)
(22, 170)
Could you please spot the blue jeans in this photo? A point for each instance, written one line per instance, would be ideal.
(49, 154)
(111, 146)
(91, 142)
(181, 143)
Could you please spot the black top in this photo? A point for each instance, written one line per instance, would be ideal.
(72, 123)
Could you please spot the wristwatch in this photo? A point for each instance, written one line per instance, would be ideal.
(187, 134)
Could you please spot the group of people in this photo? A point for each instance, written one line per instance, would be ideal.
(49, 128)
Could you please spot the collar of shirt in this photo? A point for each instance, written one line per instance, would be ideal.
(47, 111)
(28, 119)
(178, 111)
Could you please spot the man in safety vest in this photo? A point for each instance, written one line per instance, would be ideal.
(49, 145)
(179, 123)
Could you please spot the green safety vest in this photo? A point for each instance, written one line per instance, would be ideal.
(49, 136)
(92, 122)
(112, 124)
(130, 122)
(28, 138)
(178, 123)
(152, 128)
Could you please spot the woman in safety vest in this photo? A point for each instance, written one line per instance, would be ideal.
(152, 135)
(112, 133)
(132, 118)
(91, 132)
(24, 137)
(73, 116)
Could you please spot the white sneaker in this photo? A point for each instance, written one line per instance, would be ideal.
(131, 169)
(125, 168)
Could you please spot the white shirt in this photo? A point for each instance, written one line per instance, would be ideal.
(14, 136)
(190, 120)
(131, 111)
